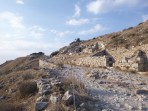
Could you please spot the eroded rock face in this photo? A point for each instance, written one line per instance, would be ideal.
(44, 87)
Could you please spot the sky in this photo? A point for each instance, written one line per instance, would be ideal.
(28, 26)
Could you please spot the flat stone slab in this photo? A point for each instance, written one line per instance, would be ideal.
(142, 91)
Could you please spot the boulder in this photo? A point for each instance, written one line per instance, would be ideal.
(39, 106)
(142, 92)
(68, 98)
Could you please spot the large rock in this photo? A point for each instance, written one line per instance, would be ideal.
(142, 91)
(68, 98)
(44, 89)
(39, 106)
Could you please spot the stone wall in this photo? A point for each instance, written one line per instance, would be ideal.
(121, 53)
(47, 65)
(91, 61)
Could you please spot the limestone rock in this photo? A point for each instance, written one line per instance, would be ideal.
(55, 98)
(68, 98)
(39, 106)
(44, 89)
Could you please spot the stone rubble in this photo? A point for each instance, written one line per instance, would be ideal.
(114, 88)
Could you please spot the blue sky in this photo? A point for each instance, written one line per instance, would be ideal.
(28, 26)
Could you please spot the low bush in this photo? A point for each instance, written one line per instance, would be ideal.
(27, 76)
(60, 65)
(27, 88)
(11, 107)
(72, 82)
(54, 53)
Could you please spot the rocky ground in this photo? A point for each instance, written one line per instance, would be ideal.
(117, 91)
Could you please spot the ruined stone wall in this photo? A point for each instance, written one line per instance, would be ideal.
(90, 61)
(47, 65)
(120, 53)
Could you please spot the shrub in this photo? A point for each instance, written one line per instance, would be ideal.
(60, 65)
(11, 107)
(27, 76)
(77, 84)
(54, 53)
(27, 88)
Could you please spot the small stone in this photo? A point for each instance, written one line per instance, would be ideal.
(2, 98)
(82, 105)
(128, 94)
(118, 105)
(55, 98)
(96, 105)
(128, 106)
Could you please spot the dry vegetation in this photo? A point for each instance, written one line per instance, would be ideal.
(132, 36)
(15, 85)
(11, 107)
(27, 89)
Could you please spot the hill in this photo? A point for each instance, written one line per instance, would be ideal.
(12, 74)
(21, 79)
(115, 47)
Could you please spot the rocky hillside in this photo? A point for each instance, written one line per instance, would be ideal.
(25, 86)
(132, 36)
(23, 70)
(115, 47)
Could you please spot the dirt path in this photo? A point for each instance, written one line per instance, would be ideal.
(115, 89)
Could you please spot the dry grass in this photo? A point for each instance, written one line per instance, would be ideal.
(58, 107)
(11, 107)
(27, 76)
(27, 88)
(60, 65)
(72, 82)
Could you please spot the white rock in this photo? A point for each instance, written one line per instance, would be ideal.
(68, 97)
(55, 98)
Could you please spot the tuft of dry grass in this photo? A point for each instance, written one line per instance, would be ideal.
(27, 76)
(60, 65)
(27, 88)
(71, 82)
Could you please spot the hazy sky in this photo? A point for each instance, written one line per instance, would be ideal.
(28, 26)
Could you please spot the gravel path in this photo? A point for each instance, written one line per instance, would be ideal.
(115, 89)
